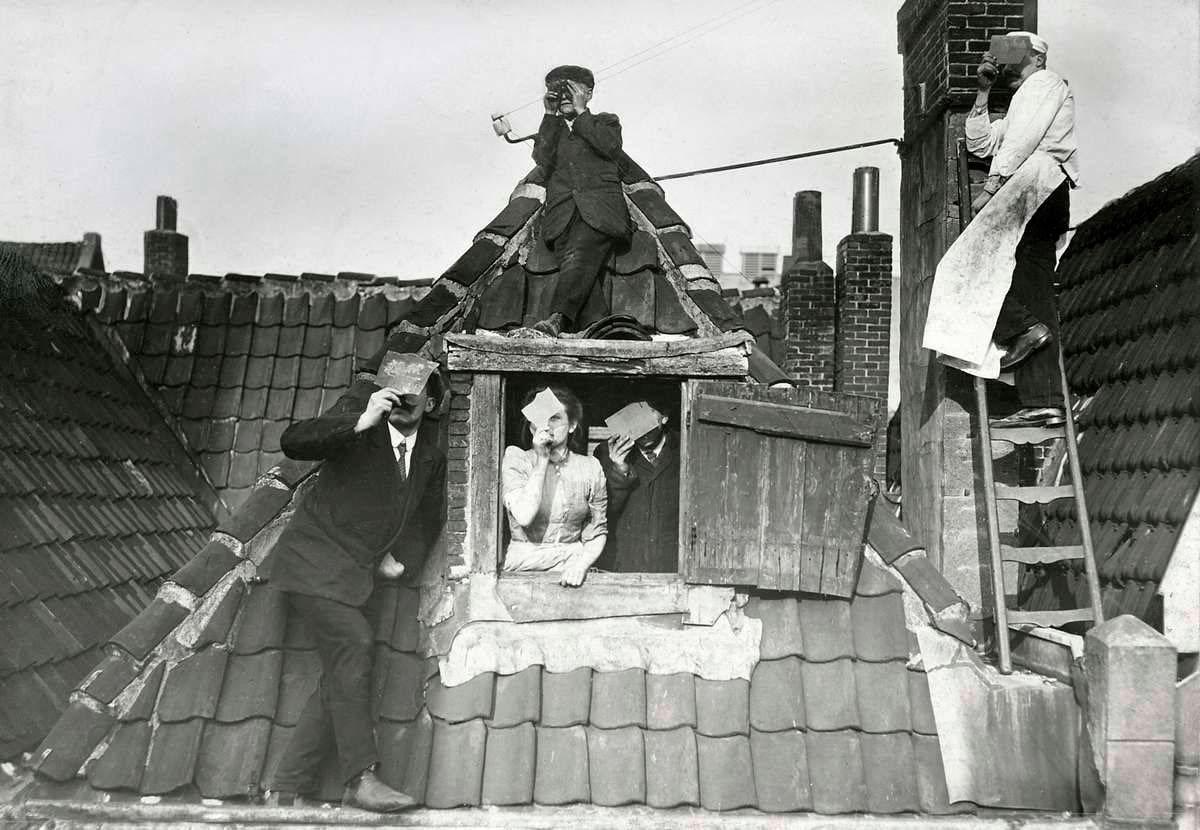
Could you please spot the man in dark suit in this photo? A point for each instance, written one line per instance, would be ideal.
(585, 216)
(376, 508)
(643, 500)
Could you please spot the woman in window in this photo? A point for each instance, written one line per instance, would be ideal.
(554, 493)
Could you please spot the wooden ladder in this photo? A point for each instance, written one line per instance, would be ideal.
(994, 493)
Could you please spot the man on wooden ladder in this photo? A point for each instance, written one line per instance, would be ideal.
(992, 307)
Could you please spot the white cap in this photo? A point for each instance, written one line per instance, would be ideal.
(1036, 43)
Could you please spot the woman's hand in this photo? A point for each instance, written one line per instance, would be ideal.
(575, 570)
(543, 442)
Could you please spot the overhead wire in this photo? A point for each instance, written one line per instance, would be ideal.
(722, 19)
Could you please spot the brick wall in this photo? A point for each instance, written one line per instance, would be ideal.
(807, 308)
(863, 321)
(165, 252)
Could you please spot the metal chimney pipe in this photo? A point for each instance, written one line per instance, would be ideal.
(165, 213)
(806, 226)
(865, 211)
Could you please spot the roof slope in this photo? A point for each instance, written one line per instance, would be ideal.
(1130, 304)
(235, 359)
(98, 501)
(833, 719)
(59, 257)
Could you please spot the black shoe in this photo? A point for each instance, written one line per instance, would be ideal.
(1025, 344)
(372, 794)
(1031, 416)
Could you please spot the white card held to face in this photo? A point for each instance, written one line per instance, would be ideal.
(542, 408)
(405, 372)
(634, 420)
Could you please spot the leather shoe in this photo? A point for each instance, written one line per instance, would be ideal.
(1025, 344)
(372, 794)
(1031, 416)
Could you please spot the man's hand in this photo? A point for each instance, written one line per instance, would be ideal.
(579, 96)
(389, 568)
(550, 99)
(378, 408)
(574, 571)
(980, 200)
(987, 72)
(619, 447)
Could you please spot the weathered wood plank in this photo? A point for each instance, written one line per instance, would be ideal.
(783, 513)
(817, 498)
(786, 421)
(537, 597)
(1049, 619)
(1040, 556)
(483, 475)
(1034, 495)
(724, 356)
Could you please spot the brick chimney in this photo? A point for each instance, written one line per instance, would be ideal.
(808, 298)
(941, 42)
(166, 251)
(864, 302)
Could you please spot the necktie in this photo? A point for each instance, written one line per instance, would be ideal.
(401, 461)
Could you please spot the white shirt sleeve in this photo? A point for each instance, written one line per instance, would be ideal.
(984, 135)
(1033, 109)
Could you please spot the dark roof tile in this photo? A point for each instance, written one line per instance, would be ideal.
(402, 677)
(717, 309)
(514, 216)
(291, 341)
(467, 701)
(920, 705)
(263, 620)
(456, 764)
(111, 677)
(829, 702)
(835, 769)
(206, 568)
(251, 687)
(518, 698)
(680, 249)
(566, 697)
(651, 202)
(474, 263)
(231, 758)
(263, 505)
(889, 767)
(143, 703)
(722, 707)
(618, 698)
(672, 768)
(432, 306)
(404, 754)
(149, 628)
(931, 777)
(883, 696)
(827, 628)
(509, 765)
(616, 766)
(782, 630)
(121, 765)
(878, 625)
(670, 700)
(726, 772)
(172, 757)
(777, 695)
(71, 741)
(562, 765)
(781, 771)
(192, 686)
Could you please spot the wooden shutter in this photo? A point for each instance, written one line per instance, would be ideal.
(776, 486)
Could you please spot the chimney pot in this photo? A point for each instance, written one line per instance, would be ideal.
(865, 207)
(165, 214)
(806, 226)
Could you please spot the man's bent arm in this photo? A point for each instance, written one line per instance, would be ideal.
(602, 132)
(545, 145)
(1028, 121)
(318, 438)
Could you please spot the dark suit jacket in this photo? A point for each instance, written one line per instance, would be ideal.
(581, 170)
(643, 511)
(357, 510)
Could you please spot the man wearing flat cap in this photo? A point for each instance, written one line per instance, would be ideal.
(998, 276)
(585, 217)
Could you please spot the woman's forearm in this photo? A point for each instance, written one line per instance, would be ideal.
(523, 502)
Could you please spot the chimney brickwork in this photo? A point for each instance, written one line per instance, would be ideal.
(941, 42)
(808, 295)
(165, 250)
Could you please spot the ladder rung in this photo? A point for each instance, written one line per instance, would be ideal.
(1049, 619)
(1042, 555)
(1027, 435)
(1034, 495)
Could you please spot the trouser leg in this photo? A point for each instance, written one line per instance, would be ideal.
(344, 643)
(311, 741)
(582, 251)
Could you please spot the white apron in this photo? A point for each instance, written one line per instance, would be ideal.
(975, 274)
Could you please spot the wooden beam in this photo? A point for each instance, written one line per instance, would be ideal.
(821, 425)
(483, 477)
(724, 356)
(534, 597)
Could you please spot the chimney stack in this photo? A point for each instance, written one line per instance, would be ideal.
(865, 206)
(807, 298)
(165, 250)
(862, 340)
(806, 226)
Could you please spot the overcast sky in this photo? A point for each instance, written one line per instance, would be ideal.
(313, 136)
